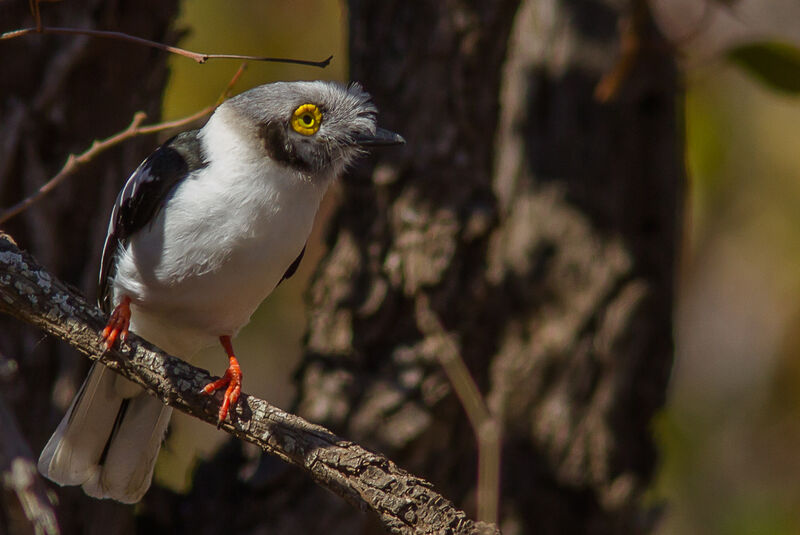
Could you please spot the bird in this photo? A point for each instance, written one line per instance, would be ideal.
(200, 234)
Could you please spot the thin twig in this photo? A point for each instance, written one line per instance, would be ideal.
(631, 30)
(36, 11)
(199, 57)
(404, 503)
(484, 424)
(34, 7)
(134, 129)
(232, 82)
(18, 475)
(609, 85)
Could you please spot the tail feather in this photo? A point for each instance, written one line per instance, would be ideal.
(126, 468)
(71, 455)
(109, 439)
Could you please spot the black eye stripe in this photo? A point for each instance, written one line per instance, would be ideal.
(280, 148)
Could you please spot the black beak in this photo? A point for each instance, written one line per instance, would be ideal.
(380, 137)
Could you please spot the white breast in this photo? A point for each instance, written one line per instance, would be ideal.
(221, 244)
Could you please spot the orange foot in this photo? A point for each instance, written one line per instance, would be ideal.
(118, 323)
(232, 379)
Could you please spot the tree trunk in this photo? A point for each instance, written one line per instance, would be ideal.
(58, 94)
(541, 222)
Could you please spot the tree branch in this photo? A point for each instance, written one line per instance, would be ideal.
(403, 502)
(484, 424)
(199, 57)
(18, 475)
(134, 129)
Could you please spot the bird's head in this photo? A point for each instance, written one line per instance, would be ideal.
(317, 128)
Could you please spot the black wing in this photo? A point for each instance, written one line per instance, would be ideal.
(143, 195)
(293, 266)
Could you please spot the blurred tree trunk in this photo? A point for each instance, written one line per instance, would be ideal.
(541, 222)
(58, 94)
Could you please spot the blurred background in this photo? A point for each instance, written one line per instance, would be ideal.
(730, 435)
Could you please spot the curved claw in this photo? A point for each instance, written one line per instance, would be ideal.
(233, 381)
(118, 323)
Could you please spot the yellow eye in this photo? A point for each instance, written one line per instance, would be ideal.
(306, 119)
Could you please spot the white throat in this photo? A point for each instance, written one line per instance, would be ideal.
(223, 242)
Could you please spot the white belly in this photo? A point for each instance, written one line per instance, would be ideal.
(213, 254)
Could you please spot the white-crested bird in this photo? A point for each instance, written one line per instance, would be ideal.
(205, 228)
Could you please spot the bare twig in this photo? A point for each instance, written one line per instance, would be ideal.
(18, 474)
(631, 45)
(134, 129)
(36, 12)
(609, 85)
(232, 82)
(199, 57)
(404, 503)
(484, 424)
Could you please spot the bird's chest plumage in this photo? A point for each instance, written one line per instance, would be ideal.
(219, 246)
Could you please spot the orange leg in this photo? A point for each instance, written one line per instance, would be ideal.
(232, 379)
(118, 323)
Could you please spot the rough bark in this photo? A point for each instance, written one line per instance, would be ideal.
(404, 503)
(57, 94)
(18, 477)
